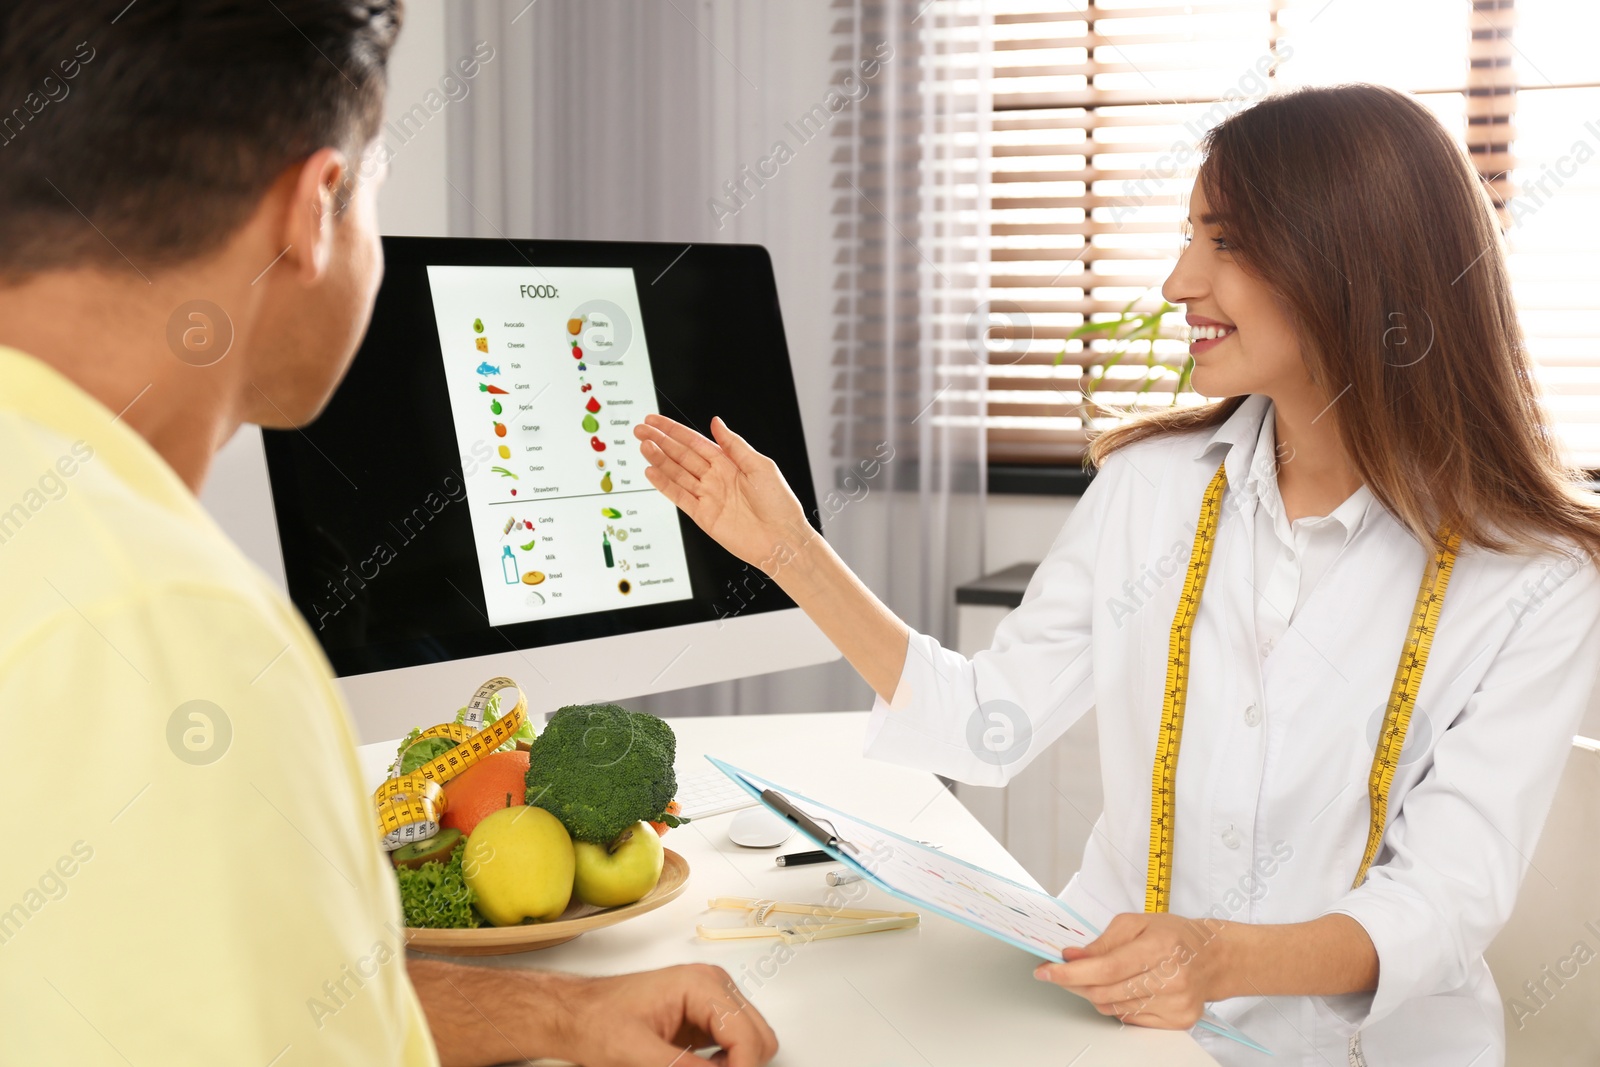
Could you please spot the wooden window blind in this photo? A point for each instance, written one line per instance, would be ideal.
(1096, 113)
(1096, 109)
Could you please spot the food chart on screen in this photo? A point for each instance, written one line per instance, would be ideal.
(549, 367)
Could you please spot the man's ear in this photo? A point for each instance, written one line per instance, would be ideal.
(314, 210)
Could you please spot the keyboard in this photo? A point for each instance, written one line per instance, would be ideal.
(710, 792)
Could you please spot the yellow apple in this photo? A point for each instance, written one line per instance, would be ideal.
(622, 872)
(519, 863)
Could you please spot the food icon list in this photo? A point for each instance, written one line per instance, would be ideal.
(548, 367)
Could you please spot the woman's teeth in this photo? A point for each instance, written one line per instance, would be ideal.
(1207, 333)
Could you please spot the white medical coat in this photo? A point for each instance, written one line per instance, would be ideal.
(1272, 807)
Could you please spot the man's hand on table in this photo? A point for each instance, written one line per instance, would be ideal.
(481, 1016)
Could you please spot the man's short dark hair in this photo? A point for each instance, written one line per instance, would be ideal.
(145, 133)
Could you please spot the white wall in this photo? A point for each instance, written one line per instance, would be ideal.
(1020, 529)
(414, 200)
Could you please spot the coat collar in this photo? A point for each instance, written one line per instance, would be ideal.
(1247, 437)
(1238, 434)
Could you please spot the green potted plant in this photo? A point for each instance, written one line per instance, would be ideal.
(1131, 335)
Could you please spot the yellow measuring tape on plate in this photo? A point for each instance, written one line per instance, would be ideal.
(409, 805)
(1396, 718)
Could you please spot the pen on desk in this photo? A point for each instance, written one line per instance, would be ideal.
(842, 876)
(795, 859)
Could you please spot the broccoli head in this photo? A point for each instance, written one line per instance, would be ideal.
(600, 768)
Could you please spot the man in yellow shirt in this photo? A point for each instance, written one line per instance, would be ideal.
(190, 872)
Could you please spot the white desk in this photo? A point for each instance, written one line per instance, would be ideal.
(941, 994)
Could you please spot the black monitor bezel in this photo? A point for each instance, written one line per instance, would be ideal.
(307, 467)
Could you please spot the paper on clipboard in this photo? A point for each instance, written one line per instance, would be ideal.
(1019, 915)
(1027, 918)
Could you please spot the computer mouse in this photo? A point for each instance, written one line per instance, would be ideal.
(759, 828)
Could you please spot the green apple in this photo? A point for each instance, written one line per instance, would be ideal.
(519, 863)
(621, 872)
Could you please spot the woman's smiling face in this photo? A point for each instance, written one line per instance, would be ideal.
(1244, 341)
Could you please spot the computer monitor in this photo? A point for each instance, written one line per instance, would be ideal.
(473, 500)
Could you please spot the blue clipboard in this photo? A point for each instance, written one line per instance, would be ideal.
(818, 821)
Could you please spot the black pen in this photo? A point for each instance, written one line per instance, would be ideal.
(795, 859)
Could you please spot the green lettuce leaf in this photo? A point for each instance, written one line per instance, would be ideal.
(414, 753)
(436, 895)
(491, 712)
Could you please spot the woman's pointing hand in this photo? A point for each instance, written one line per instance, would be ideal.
(732, 492)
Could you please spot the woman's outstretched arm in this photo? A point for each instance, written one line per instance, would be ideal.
(740, 499)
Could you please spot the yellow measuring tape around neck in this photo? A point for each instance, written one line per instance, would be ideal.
(1396, 719)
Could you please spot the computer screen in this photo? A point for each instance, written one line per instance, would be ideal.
(547, 366)
(474, 485)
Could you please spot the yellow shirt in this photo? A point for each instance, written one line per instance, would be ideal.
(190, 868)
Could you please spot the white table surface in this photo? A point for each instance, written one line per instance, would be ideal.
(941, 994)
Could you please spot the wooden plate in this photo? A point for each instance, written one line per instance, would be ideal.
(579, 918)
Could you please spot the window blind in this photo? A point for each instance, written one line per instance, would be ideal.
(1096, 109)
(1553, 213)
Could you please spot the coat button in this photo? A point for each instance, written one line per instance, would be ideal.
(1230, 837)
(1252, 715)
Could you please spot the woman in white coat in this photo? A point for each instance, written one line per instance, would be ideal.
(1357, 593)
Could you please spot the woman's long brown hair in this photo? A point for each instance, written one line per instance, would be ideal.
(1355, 206)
